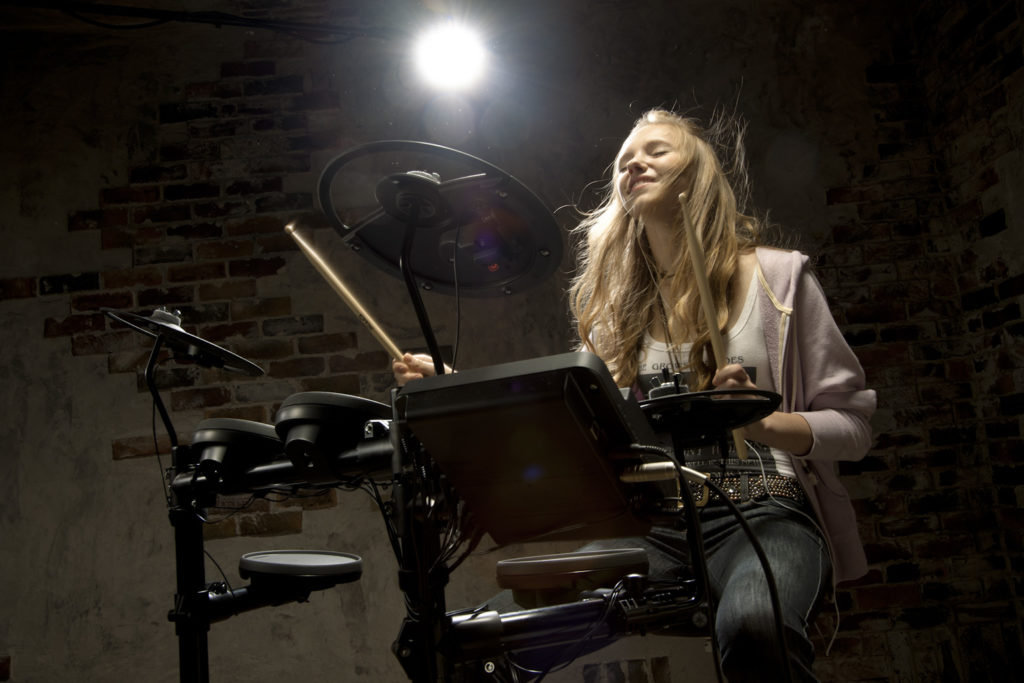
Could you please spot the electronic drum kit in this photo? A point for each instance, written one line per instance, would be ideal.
(524, 451)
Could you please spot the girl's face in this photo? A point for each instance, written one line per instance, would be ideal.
(646, 170)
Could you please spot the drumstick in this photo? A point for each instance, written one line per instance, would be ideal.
(353, 303)
(708, 305)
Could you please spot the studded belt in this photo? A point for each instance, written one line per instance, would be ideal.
(743, 487)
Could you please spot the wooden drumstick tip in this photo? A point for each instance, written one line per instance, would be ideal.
(290, 228)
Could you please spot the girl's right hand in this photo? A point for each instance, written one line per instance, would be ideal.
(412, 367)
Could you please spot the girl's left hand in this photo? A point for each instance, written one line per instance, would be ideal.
(732, 376)
(787, 431)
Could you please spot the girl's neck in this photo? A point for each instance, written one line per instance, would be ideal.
(662, 240)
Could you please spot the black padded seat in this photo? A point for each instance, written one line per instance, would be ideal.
(543, 580)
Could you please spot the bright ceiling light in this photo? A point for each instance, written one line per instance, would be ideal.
(450, 56)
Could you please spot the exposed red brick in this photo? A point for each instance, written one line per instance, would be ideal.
(141, 194)
(251, 187)
(161, 214)
(93, 302)
(216, 129)
(74, 324)
(270, 524)
(220, 209)
(290, 163)
(339, 384)
(284, 202)
(71, 282)
(264, 67)
(224, 249)
(190, 399)
(140, 446)
(87, 344)
(170, 377)
(128, 361)
(880, 597)
(158, 173)
(97, 218)
(296, 325)
(264, 349)
(216, 333)
(327, 343)
(324, 501)
(230, 289)
(195, 231)
(133, 277)
(251, 413)
(225, 528)
(17, 288)
(213, 90)
(276, 243)
(166, 296)
(255, 267)
(162, 253)
(373, 361)
(191, 272)
(261, 308)
(256, 225)
(296, 367)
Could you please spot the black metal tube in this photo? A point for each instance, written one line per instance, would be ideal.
(189, 616)
(368, 456)
(221, 606)
(157, 401)
(484, 634)
(405, 264)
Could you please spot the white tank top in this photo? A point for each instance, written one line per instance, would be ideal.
(744, 344)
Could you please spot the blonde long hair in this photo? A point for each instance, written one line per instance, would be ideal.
(614, 297)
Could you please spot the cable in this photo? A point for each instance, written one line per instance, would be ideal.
(773, 591)
(299, 30)
(458, 297)
(219, 569)
(233, 511)
(697, 552)
(389, 528)
(570, 652)
(159, 460)
(120, 27)
(814, 523)
(700, 477)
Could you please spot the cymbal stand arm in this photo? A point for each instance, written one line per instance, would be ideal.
(157, 401)
(405, 265)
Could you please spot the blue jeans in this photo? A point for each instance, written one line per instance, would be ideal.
(744, 621)
(744, 624)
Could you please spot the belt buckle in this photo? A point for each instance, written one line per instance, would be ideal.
(705, 495)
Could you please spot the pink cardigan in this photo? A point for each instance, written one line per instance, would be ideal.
(820, 379)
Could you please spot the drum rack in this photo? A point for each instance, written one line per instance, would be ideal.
(582, 433)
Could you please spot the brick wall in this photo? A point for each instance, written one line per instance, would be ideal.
(929, 298)
(203, 222)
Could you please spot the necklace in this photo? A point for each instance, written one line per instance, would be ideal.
(673, 351)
